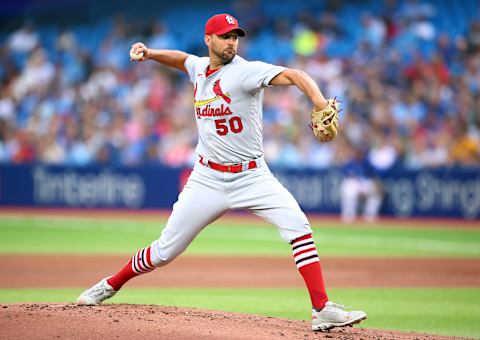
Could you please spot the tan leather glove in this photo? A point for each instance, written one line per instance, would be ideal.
(324, 123)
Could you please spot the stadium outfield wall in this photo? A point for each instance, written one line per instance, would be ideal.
(445, 192)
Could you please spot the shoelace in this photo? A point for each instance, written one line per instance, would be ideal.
(97, 291)
(339, 305)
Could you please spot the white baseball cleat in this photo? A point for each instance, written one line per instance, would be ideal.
(334, 315)
(96, 294)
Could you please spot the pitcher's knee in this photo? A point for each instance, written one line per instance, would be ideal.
(291, 233)
(162, 255)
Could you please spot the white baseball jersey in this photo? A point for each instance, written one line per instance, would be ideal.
(228, 107)
(228, 110)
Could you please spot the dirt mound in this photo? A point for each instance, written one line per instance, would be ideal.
(120, 321)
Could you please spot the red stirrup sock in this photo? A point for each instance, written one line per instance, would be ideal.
(140, 263)
(308, 264)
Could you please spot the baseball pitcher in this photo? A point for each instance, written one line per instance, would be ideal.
(231, 172)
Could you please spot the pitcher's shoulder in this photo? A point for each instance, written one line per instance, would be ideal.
(195, 60)
(239, 60)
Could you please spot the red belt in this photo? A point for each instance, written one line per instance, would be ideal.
(228, 168)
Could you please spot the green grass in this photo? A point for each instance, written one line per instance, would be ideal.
(447, 311)
(87, 236)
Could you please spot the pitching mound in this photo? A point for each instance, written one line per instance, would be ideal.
(51, 321)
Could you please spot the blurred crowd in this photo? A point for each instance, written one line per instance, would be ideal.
(410, 92)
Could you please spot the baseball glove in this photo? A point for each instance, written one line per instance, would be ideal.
(324, 123)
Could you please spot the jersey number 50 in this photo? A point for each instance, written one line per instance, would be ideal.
(235, 124)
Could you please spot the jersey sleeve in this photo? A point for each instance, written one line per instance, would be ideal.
(191, 65)
(259, 74)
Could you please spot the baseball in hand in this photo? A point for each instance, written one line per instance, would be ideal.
(136, 56)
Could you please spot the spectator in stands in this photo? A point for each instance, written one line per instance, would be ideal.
(161, 37)
(465, 149)
(473, 37)
(382, 154)
(24, 40)
(374, 30)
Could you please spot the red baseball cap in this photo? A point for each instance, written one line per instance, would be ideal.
(223, 23)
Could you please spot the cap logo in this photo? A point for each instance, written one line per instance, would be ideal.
(230, 20)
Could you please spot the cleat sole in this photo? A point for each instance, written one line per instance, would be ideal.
(329, 326)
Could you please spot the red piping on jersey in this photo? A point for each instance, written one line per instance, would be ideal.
(209, 72)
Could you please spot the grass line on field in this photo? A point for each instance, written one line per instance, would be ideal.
(265, 235)
(407, 243)
(76, 236)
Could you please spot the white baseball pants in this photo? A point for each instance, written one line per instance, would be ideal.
(209, 193)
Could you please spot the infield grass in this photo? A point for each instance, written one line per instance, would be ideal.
(54, 235)
(447, 311)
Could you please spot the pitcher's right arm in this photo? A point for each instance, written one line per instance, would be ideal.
(171, 58)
